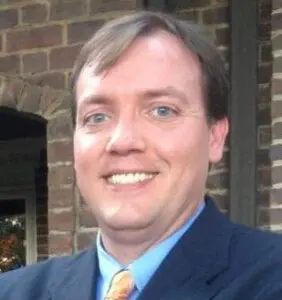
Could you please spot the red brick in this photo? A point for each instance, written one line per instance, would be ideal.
(55, 80)
(60, 175)
(35, 62)
(63, 58)
(42, 238)
(265, 53)
(222, 202)
(276, 4)
(270, 216)
(85, 239)
(277, 65)
(276, 21)
(276, 152)
(264, 32)
(263, 157)
(9, 64)
(67, 9)
(42, 251)
(60, 151)
(112, 5)
(264, 176)
(34, 38)
(216, 15)
(264, 95)
(87, 218)
(276, 174)
(42, 230)
(265, 12)
(223, 36)
(277, 131)
(8, 18)
(60, 197)
(59, 127)
(264, 115)
(11, 1)
(61, 221)
(276, 195)
(82, 31)
(216, 181)
(59, 244)
(188, 15)
(277, 86)
(277, 42)
(264, 74)
(276, 109)
(34, 13)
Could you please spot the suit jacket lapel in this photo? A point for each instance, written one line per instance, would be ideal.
(198, 257)
(79, 282)
(186, 273)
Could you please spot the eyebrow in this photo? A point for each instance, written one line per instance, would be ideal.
(166, 92)
(91, 100)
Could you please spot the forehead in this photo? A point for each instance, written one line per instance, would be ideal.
(151, 62)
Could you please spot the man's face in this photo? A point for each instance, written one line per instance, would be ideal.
(142, 145)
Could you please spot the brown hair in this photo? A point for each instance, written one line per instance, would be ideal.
(112, 39)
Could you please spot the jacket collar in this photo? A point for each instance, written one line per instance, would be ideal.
(200, 255)
(77, 280)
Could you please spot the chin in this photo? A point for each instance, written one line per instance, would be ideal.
(126, 224)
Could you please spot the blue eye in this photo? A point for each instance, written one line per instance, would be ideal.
(97, 118)
(163, 112)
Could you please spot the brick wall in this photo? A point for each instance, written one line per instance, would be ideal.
(41, 190)
(40, 41)
(55, 233)
(264, 112)
(275, 212)
(214, 15)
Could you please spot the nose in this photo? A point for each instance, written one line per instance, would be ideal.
(125, 138)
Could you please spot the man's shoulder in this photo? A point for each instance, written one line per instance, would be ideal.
(254, 270)
(257, 252)
(40, 276)
(255, 242)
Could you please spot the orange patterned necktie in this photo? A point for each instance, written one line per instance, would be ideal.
(121, 286)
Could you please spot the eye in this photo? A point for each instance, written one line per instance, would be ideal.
(163, 112)
(97, 118)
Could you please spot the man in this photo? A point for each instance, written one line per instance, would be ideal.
(150, 118)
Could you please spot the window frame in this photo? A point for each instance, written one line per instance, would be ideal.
(29, 196)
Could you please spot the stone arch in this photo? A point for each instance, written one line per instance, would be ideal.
(54, 106)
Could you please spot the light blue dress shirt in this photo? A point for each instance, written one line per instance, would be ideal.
(143, 268)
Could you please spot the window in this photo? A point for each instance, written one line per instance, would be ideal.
(18, 245)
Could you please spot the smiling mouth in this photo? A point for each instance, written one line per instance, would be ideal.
(129, 178)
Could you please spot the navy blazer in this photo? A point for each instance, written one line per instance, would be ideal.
(215, 259)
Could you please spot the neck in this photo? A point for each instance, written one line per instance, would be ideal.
(128, 245)
(123, 251)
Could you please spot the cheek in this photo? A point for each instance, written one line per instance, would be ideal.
(185, 144)
(87, 148)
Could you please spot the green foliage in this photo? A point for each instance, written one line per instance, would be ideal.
(12, 236)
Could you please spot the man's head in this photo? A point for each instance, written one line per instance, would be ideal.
(150, 116)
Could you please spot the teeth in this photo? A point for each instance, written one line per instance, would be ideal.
(129, 178)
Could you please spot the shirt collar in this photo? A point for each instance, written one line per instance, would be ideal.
(145, 266)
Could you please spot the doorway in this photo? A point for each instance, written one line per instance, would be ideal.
(23, 189)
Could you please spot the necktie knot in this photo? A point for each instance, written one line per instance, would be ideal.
(121, 286)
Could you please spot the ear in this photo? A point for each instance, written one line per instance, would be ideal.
(218, 133)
